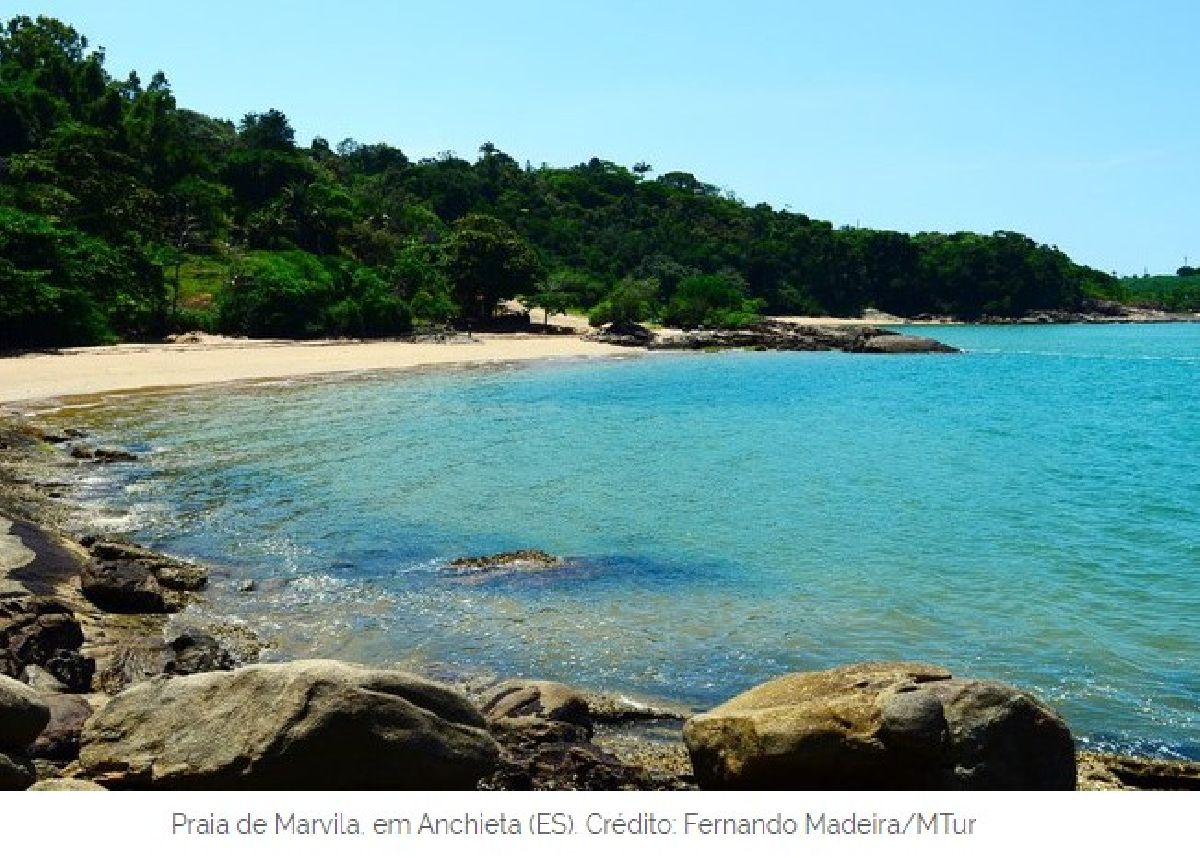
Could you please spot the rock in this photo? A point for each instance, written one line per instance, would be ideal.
(572, 766)
(894, 725)
(301, 725)
(123, 587)
(779, 335)
(197, 652)
(16, 772)
(60, 739)
(66, 785)
(101, 454)
(1098, 771)
(896, 344)
(23, 714)
(42, 631)
(40, 679)
(169, 572)
(551, 701)
(524, 558)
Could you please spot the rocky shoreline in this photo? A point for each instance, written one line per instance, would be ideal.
(774, 335)
(96, 694)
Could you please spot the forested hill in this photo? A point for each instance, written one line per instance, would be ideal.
(124, 216)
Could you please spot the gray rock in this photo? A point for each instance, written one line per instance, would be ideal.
(895, 344)
(301, 725)
(894, 725)
(23, 714)
(197, 652)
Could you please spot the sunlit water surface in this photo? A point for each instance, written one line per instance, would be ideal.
(1028, 511)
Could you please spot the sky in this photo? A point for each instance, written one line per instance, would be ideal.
(1073, 122)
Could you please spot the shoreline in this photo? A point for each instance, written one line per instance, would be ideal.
(35, 378)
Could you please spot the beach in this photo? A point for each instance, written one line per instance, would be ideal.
(215, 360)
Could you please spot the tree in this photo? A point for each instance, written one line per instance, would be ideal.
(487, 262)
(553, 297)
(627, 304)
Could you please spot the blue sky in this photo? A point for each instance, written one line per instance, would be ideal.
(1074, 122)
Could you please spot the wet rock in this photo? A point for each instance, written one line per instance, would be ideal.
(123, 587)
(301, 725)
(60, 739)
(101, 454)
(197, 652)
(777, 335)
(894, 725)
(528, 558)
(572, 766)
(170, 572)
(16, 772)
(896, 344)
(23, 714)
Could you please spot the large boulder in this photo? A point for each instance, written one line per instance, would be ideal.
(300, 725)
(65, 785)
(894, 725)
(23, 714)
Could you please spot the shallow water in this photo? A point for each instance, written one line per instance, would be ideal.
(1026, 511)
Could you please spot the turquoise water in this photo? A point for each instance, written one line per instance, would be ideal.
(1027, 511)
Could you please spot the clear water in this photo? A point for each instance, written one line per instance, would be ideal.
(1027, 511)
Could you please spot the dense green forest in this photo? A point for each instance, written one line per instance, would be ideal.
(1177, 294)
(126, 216)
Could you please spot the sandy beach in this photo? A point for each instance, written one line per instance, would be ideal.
(107, 369)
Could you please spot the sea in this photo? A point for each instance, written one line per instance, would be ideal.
(1026, 511)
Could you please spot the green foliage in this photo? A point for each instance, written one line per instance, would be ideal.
(712, 301)
(487, 262)
(630, 302)
(1178, 294)
(106, 183)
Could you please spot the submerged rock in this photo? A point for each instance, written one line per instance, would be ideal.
(300, 725)
(527, 558)
(894, 725)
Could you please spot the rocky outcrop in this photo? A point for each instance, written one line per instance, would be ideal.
(893, 725)
(776, 335)
(128, 579)
(300, 725)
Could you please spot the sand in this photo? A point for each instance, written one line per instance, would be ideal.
(213, 360)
